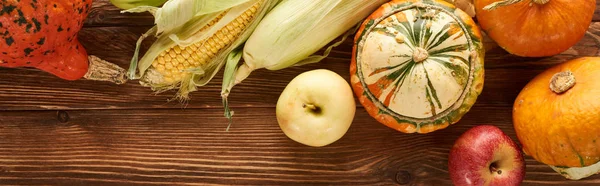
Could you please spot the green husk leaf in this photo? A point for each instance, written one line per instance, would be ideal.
(129, 4)
(133, 65)
(317, 58)
(141, 9)
(175, 13)
(221, 59)
(232, 64)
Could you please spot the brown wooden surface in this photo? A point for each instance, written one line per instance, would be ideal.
(94, 133)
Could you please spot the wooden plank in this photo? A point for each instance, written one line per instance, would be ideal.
(24, 89)
(35, 91)
(597, 13)
(191, 146)
(125, 135)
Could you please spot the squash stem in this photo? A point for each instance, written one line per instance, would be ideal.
(420, 55)
(101, 70)
(562, 81)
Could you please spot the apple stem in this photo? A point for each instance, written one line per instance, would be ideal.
(309, 106)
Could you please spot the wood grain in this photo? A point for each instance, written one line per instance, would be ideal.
(191, 146)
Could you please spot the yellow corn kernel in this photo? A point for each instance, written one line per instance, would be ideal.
(185, 54)
(195, 57)
(160, 68)
(173, 54)
(167, 58)
(161, 60)
(169, 66)
(177, 50)
(180, 59)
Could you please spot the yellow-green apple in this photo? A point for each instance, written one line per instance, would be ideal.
(484, 155)
(316, 108)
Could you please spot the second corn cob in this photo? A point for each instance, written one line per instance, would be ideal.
(292, 33)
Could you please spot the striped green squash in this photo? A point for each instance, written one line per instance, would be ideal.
(417, 65)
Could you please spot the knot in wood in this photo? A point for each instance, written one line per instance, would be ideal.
(562, 81)
(62, 116)
(403, 177)
(420, 55)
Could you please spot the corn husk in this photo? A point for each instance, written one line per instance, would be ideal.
(179, 22)
(128, 4)
(291, 33)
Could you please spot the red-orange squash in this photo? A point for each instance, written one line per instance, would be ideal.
(43, 34)
(536, 28)
(557, 117)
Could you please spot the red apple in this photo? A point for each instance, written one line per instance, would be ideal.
(484, 155)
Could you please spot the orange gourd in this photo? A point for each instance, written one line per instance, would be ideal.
(557, 117)
(418, 65)
(535, 28)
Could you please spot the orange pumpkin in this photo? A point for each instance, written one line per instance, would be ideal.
(557, 117)
(535, 28)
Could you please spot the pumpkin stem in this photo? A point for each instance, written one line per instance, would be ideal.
(498, 4)
(420, 55)
(562, 81)
(540, 2)
(100, 70)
